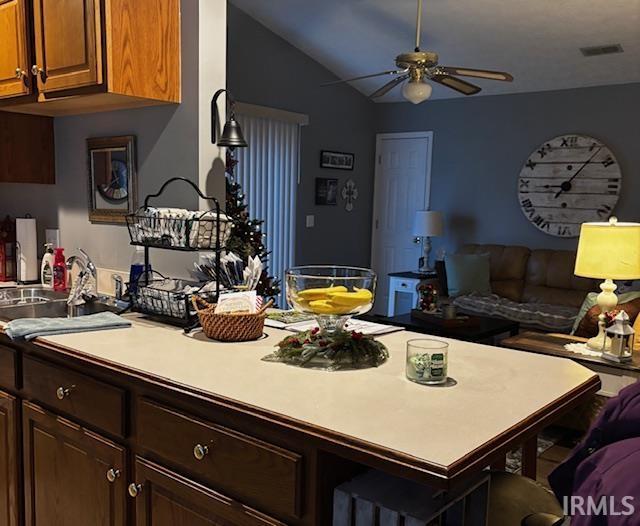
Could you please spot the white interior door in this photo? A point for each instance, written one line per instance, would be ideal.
(402, 186)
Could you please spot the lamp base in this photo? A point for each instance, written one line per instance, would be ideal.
(607, 300)
(423, 263)
(600, 342)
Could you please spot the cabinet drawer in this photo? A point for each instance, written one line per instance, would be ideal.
(7, 368)
(249, 469)
(81, 397)
(403, 284)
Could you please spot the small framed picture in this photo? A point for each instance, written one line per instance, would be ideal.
(337, 160)
(326, 191)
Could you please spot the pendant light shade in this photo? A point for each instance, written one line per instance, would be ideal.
(232, 133)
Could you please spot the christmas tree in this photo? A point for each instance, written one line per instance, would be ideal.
(247, 239)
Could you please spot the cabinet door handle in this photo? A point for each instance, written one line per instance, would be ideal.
(135, 489)
(113, 474)
(200, 451)
(403, 285)
(37, 70)
(22, 74)
(63, 392)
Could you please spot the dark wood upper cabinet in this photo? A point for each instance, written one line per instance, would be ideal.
(27, 152)
(67, 44)
(71, 475)
(85, 56)
(9, 474)
(164, 498)
(15, 79)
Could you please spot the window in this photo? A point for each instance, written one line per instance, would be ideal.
(268, 172)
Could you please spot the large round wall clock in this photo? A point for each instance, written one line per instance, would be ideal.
(567, 181)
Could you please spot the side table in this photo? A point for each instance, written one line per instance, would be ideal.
(406, 284)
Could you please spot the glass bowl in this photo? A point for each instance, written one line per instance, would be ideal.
(333, 294)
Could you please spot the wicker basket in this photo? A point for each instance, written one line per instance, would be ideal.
(229, 327)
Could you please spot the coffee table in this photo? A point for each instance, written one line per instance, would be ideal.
(478, 329)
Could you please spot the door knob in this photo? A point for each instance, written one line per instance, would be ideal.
(113, 475)
(20, 73)
(135, 489)
(200, 451)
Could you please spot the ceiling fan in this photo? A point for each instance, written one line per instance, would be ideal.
(417, 66)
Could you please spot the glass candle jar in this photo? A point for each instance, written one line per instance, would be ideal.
(427, 361)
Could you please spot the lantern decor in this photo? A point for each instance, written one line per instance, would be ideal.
(7, 250)
(428, 298)
(619, 339)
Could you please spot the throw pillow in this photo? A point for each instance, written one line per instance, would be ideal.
(588, 327)
(467, 273)
(592, 300)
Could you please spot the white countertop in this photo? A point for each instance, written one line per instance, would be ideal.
(496, 388)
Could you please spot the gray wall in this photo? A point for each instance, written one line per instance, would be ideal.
(264, 69)
(481, 143)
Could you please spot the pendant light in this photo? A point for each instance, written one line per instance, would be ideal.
(231, 133)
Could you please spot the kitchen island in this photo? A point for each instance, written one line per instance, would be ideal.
(205, 432)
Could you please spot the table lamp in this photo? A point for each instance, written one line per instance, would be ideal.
(427, 224)
(608, 251)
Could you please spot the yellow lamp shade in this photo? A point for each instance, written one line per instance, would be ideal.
(609, 251)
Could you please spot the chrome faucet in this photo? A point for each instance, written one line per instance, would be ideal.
(85, 287)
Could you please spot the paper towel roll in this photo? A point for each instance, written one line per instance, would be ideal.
(27, 249)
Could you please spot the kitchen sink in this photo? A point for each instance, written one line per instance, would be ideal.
(52, 309)
(29, 296)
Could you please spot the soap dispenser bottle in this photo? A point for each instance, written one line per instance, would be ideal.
(46, 268)
(59, 270)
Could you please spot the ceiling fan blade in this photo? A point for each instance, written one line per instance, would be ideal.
(390, 72)
(388, 87)
(478, 73)
(457, 84)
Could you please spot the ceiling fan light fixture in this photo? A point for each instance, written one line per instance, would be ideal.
(416, 90)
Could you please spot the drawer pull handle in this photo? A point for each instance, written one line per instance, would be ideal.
(135, 489)
(404, 285)
(200, 451)
(113, 475)
(63, 392)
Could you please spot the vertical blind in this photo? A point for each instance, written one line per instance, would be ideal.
(268, 172)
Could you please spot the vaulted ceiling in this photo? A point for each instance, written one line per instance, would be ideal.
(537, 41)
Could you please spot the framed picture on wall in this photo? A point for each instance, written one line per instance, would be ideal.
(112, 178)
(326, 191)
(337, 160)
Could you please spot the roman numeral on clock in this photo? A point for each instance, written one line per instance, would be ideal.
(524, 184)
(604, 210)
(528, 207)
(608, 162)
(540, 222)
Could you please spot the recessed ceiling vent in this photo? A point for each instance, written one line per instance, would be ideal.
(593, 51)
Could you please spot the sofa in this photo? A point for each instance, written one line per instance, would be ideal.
(535, 287)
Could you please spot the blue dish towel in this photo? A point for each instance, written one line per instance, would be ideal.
(30, 328)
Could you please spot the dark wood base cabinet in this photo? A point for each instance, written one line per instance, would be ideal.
(72, 476)
(9, 473)
(164, 498)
